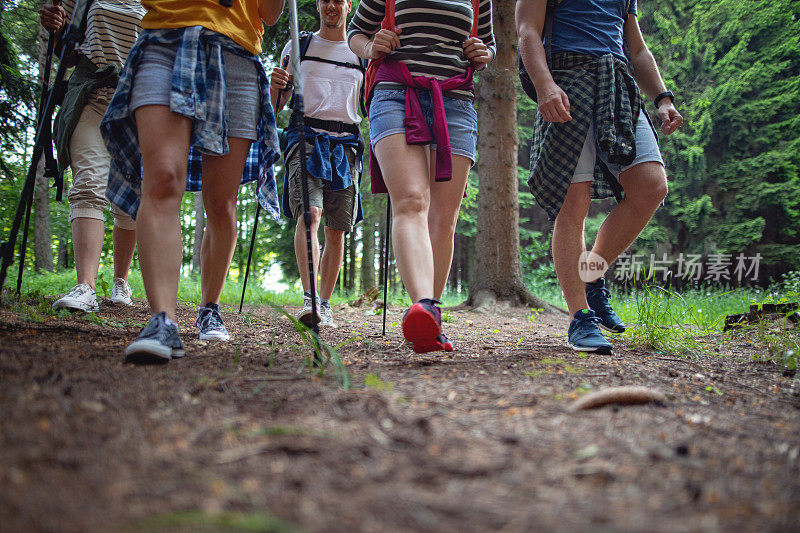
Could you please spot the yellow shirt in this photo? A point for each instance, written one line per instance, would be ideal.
(241, 22)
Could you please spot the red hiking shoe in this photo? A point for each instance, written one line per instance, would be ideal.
(422, 326)
(447, 345)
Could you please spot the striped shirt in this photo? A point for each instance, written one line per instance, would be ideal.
(433, 33)
(112, 27)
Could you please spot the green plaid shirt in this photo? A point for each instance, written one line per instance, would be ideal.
(598, 88)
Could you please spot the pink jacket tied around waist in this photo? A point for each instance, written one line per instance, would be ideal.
(417, 131)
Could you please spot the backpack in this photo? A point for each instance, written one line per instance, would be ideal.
(547, 35)
(388, 24)
(305, 42)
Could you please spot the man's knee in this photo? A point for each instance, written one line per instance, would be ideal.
(334, 237)
(647, 187)
(220, 209)
(316, 216)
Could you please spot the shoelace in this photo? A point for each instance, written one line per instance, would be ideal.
(211, 319)
(78, 290)
(605, 294)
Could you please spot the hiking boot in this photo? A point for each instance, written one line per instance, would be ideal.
(209, 322)
(81, 297)
(306, 316)
(584, 334)
(448, 346)
(158, 342)
(422, 326)
(326, 315)
(121, 292)
(597, 297)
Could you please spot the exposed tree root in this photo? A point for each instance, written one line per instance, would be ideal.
(486, 300)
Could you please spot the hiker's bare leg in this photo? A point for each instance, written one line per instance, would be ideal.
(446, 199)
(164, 142)
(87, 243)
(645, 188)
(221, 178)
(568, 244)
(406, 173)
(301, 247)
(331, 261)
(124, 241)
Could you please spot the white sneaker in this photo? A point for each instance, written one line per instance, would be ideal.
(81, 297)
(121, 292)
(326, 316)
(306, 316)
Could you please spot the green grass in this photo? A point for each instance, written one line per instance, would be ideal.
(196, 520)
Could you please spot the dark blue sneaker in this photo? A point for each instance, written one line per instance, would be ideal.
(158, 342)
(585, 336)
(597, 298)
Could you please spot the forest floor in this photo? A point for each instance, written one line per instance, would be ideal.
(245, 435)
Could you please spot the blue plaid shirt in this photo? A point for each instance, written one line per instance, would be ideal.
(198, 93)
(327, 161)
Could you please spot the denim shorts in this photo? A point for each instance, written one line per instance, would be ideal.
(152, 85)
(646, 150)
(388, 109)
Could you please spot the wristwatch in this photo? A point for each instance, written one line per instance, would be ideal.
(665, 94)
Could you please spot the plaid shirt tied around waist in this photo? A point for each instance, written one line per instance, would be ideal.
(198, 93)
(600, 90)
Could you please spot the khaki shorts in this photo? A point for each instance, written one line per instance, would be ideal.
(89, 163)
(338, 207)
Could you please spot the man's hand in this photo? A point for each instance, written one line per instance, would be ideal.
(671, 120)
(477, 53)
(53, 17)
(382, 43)
(280, 79)
(553, 103)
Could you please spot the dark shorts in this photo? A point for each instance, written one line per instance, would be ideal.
(338, 207)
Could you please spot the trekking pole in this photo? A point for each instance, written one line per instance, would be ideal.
(71, 38)
(255, 223)
(49, 164)
(300, 109)
(250, 255)
(386, 258)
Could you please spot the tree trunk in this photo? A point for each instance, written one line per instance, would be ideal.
(368, 251)
(497, 275)
(199, 228)
(42, 237)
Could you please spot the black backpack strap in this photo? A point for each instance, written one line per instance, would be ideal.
(356, 66)
(305, 42)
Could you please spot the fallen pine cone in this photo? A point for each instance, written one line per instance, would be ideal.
(629, 395)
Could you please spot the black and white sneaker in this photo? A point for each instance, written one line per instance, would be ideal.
(209, 322)
(307, 316)
(326, 315)
(158, 342)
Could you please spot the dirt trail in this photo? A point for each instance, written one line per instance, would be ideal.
(477, 440)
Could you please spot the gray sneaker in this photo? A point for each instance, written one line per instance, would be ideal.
(121, 292)
(81, 297)
(326, 315)
(158, 342)
(306, 316)
(209, 322)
